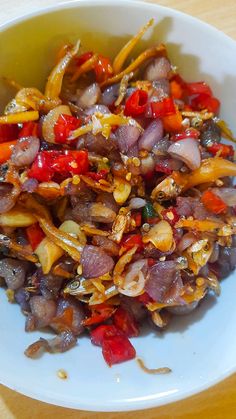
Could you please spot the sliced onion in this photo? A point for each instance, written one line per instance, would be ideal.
(95, 262)
(152, 134)
(136, 203)
(89, 96)
(127, 137)
(13, 271)
(159, 68)
(7, 201)
(188, 151)
(161, 88)
(215, 253)
(147, 164)
(110, 94)
(228, 195)
(30, 185)
(25, 151)
(186, 241)
(49, 121)
(97, 108)
(134, 281)
(184, 309)
(43, 310)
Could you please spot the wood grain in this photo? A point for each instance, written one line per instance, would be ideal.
(220, 400)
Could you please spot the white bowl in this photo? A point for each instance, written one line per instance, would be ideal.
(199, 348)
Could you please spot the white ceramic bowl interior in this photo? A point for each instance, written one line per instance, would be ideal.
(199, 348)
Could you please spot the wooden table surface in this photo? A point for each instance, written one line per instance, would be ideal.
(220, 400)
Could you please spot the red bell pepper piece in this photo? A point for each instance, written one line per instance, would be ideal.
(103, 69)
(65, 163)
(34, 235)
(8, 132)
(116, 349)
(170, 214)
(63, 127)
(198, 88)
(103, 331)
(131, 240)
(29, 129)
(83, 58)
(165, 107)
(126, 322)
(6, 151)
(136, 103)
(225, 150)
(100, 313)
(203, 101)
(213, 203)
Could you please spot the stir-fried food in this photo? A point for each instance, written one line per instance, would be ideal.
(117, 199)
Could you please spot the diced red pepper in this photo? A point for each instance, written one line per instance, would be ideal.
(188, 133)
(100, 313)
(225, 150)
(136, 103)
(116, 349)
(35, 235)
(29, 129)
(103, 331)
(83, 58)
(145, 297)
(103, 69)
(151, 262)
(8, 132)
(170, 214)
(131, 240)
(203, 101)
(165, 107)
(97, 176)
(213, 203)
(198, 88)
(63, 127)
(64, 163)
(126, 322)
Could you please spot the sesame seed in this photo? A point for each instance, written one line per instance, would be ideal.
(62, 374)
(146, 227)
(128, 176)
(136, 161)
(162, 259)
(79, 270)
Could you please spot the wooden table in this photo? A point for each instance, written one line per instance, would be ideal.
(217, 402)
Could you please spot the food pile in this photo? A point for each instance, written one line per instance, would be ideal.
(117, 201)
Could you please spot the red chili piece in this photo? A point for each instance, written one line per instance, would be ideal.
(132, 240)
(100, 313)
(29, 129)
(97, 176)
(145, 297)
(161, 167)
(103, 69)
(49, 163)
(83, 58)
(63, 127)
(125, 322)
(137, 217)
(188, 133)
(35, 235)
(198, 88)
(203, 101)
(136, 103)
(225, 150)
(170, 214)
(8, 132)
(213, 203)
(165, 107)
(117, 349)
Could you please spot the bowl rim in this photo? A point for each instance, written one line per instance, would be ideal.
(138, 403)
